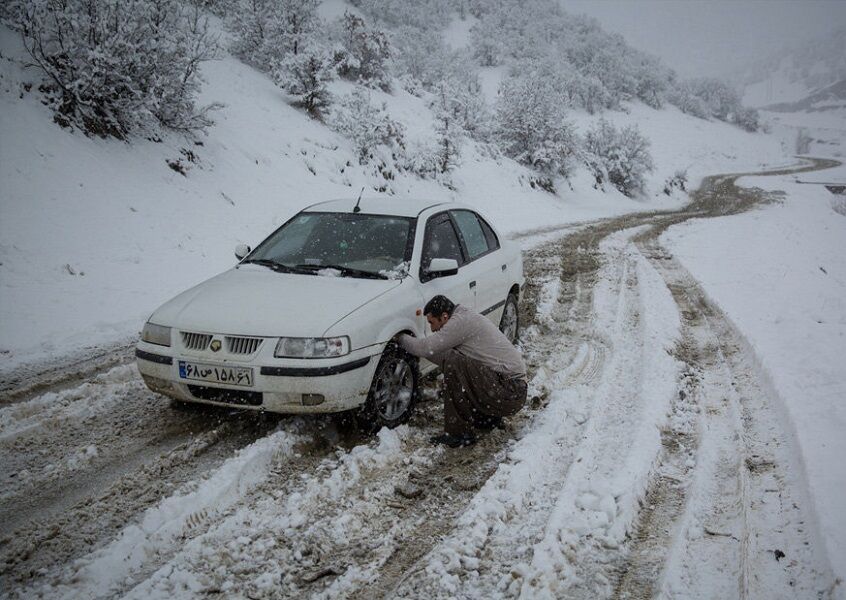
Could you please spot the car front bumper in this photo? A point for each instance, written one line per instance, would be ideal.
(288, 386)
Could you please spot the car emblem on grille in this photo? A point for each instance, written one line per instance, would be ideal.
(215, 345)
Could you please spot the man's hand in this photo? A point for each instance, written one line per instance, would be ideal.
(401, 340)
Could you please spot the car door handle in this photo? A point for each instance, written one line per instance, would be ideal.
(472, 284)
(504, 267)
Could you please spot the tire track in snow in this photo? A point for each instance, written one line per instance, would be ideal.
(740, 503)
(57, 508)
(510, 518)
(105, 571)
(547, 290)
(711, 509)
(709, 203)
(595, 504)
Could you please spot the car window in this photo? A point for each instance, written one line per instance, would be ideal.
(358, 241)
(297, 231)
(441, 241)
(490, 236)
(471, 231)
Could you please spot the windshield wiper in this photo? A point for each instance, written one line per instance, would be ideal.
(345, 271)
(271, 264)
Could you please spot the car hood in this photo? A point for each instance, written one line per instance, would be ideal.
(254, 300)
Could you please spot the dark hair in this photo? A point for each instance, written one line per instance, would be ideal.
(438, 306)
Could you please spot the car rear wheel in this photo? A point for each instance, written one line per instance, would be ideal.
(509, 324)
(393, 392)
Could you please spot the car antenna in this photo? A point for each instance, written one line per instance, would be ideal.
(356, 208)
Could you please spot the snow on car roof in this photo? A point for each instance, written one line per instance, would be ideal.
(402, 207)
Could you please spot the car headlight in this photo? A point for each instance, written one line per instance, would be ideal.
(156, 334)
(312, 347)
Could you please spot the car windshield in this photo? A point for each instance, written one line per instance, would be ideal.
(345, 244)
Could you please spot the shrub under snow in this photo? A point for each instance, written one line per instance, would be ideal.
(530, 125)
(618, 156)
(709, 97)
(366, 125)
(266, 32)
(448, 110)
(114, 68)
(305, 76)
(363, 53)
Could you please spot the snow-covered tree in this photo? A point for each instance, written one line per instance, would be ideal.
(364, 52)
(367, 126)
(218, 7)
(252, 25)
(618, 156)
(473, 112)
(683, 95)
(803, 141)
(712, 98)
(747, 118)
(114, 68)
(428, 15)
(448, 110)
(652, 80)
(265, 32)
(419, 55)
(530, 125)
(720, 99)
(305, 76)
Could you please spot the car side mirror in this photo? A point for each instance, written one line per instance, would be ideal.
(442, 267)
(241, 250)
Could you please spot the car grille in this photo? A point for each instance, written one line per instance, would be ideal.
(196, 341)
(242, 345)
(228, 396)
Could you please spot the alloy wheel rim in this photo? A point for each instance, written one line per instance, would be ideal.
(509, 322)
(394, 389)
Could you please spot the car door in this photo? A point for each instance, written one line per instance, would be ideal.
(484, 266)
(441, 240)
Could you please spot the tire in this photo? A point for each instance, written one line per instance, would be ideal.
(509, 323)
(393, 392)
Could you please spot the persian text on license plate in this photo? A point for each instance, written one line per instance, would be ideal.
(242, 376)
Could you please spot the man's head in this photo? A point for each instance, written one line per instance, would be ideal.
(438, 310)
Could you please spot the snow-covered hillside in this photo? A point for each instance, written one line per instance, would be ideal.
(796, 72)
(95, 233)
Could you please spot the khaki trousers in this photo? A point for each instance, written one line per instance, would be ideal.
(475, 391)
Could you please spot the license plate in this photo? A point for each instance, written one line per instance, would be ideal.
(242, 376)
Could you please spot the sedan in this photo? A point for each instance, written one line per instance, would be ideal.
(305, 322)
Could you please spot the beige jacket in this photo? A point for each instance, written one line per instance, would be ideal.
(474, 336)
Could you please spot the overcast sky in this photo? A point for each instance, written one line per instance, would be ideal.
(713, 37)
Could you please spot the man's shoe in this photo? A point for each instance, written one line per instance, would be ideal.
(453, 441)
(489, 423)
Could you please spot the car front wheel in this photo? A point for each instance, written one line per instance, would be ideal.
(509, 324)
(393, 391)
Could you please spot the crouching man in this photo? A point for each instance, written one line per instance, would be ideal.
(484, 374)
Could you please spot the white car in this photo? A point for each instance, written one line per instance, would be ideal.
(305, 322)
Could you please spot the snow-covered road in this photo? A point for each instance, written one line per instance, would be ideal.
(649, 462)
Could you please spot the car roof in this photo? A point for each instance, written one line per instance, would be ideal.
(401, 207)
